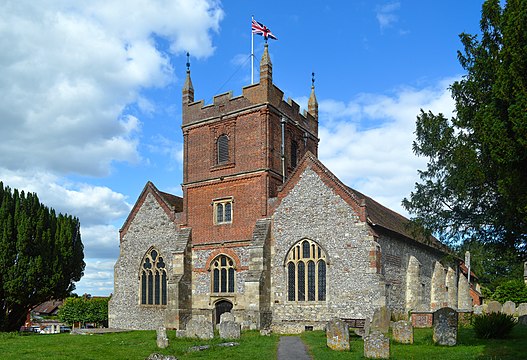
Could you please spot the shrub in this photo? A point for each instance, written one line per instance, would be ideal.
(512, 290)
(493, 325)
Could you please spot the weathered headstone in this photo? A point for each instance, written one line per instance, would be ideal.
(376, 346)
(229, 330)
(226, 316)
(162, 338)
(522, 309)
(380, 320)
(445, 326)
(403, 332)
(478, 309)
(265, 332)
(157, 356)
(493, 307)
(522, 320)
(200, 327)
(508, 308)
(337, 335)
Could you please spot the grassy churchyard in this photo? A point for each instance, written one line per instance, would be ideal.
(140, 344)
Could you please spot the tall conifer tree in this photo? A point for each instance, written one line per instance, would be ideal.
(41, 255)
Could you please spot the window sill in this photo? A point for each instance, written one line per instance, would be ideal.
(222, 166)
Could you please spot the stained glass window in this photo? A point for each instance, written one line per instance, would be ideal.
(223, 279)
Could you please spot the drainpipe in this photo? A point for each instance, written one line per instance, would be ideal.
(283, 148)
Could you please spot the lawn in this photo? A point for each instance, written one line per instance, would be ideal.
(140, 344)
(469, 347)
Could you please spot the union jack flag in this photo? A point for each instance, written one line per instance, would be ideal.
(261, 29)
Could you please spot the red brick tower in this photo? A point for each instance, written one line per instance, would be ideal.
(237, 153)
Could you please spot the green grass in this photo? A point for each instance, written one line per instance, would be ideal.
(469, 347)
(140, 344)
(131, 345)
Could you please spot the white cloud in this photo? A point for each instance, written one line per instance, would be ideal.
(91, 204)
(69, 70)
(98, 277)
(367, 141)
(386, 15)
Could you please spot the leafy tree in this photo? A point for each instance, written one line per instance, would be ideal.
(492, 264)
(475, 183)
(41, 255)
(512, 290)
(84, 310)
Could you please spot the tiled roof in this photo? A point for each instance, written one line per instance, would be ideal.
(380, 216)
(47, 307)
(173, 200)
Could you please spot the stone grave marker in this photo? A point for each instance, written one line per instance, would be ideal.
(493, 307)
(162, 338)
(403, 332)
(376, 346)
(337, 335)
(478, 309)
(522, 320)
(380, 320)
(229, 329)
(445, 326)
(508, 308)
(522, 309)
(200, 327)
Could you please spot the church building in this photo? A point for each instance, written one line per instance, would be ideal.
(264, 230)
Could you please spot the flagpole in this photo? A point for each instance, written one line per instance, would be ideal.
(252, 52)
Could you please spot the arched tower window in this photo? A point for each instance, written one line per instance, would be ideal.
(222, 274)
(153, 279)
(223, 149)
(306, 272)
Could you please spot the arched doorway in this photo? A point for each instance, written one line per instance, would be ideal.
(221, 307)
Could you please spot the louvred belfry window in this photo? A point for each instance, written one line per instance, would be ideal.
(306, 272)
(223, 149)
(153, 279)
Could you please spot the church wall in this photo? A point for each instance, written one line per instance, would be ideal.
(395, 258)
(249, 202)
(203, 300)
(151, 226)
(354, 288)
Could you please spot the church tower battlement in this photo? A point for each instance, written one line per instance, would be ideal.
(238, 151)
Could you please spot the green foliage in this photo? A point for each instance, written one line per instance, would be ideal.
(512, 290)
(493, 325)
(41, 255)
(84, 310)
(492, 263)
(475, 184)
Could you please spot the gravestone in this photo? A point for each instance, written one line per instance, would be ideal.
(376, 346)
(380, 320)
(522, 320)
(157, 356)
(403, 332)
(226, 316)
(522, 309)
(493, 307)
(508, 308)
(200, 327)
(230, 330)
(337, 335)
(162, 338)
(478, 309)
(445, 326)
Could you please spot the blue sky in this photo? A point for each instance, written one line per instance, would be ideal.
(91, 93)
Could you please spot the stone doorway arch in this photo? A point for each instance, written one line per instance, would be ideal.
(221, 307)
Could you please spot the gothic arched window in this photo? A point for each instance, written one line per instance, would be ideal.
(223, 149)
(306, 272)
(153, 278)
(222, 274)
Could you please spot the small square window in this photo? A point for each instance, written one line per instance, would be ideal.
(223, 211)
